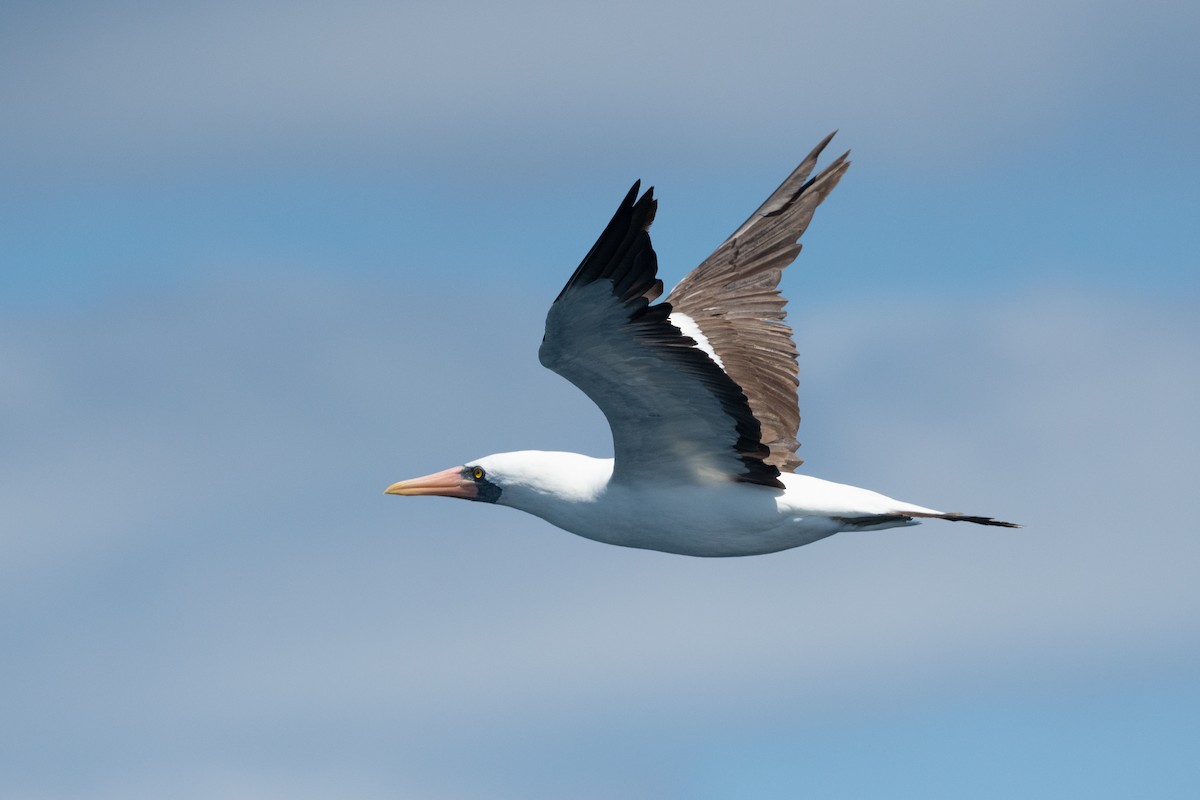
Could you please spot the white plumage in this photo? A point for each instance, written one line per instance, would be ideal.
(700, 394)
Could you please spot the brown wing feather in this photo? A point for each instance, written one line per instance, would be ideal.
(733, 299)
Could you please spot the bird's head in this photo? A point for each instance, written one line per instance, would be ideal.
(522, 479)
(471, 481)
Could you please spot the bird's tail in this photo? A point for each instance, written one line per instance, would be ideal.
(953, 517)
(878, 522)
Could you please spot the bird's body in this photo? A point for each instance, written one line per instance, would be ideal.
(700, 394)
(577, 493)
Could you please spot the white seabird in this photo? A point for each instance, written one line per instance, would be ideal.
(700, 393)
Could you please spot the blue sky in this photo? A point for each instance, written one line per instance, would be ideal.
(258, 261)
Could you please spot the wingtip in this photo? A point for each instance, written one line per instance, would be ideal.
(821, 145)
(632, 197)
(647, 205)
(816, 152)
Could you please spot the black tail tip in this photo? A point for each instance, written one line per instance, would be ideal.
(980, 520)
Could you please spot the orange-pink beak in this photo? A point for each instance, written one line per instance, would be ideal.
(447, 483)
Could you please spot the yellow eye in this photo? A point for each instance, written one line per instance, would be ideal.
(477, 473)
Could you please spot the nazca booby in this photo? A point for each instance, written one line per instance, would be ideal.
(699, 391)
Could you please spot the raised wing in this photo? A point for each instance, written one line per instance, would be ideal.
(676, 416)
(732, 298)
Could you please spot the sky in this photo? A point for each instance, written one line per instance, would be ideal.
(260, 260)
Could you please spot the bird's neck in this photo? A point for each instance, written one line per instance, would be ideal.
(553, 484)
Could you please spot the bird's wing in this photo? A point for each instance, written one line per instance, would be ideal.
(732, 298)
(676, 416)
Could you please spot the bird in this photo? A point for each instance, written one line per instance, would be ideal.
(700, 391)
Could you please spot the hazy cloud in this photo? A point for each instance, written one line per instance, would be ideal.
(413, 82)
(203, 553)
(261, 260)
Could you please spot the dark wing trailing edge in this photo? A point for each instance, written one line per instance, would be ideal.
(675, 415)
(733, 299)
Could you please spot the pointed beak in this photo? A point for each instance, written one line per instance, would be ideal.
(447, 483)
